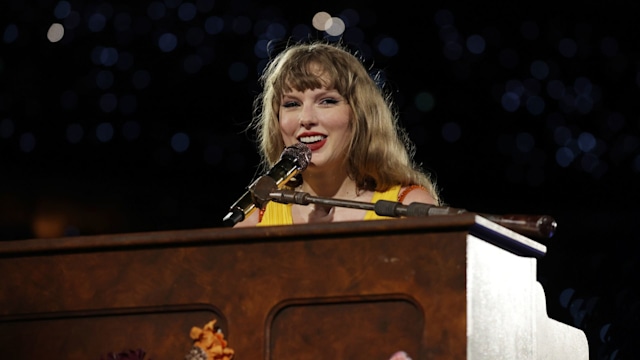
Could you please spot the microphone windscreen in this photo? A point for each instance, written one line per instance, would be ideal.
(300, 152)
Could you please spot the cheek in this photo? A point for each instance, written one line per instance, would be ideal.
(340, 121)
(288, 126)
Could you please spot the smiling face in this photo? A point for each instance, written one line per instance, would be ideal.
(309, 93)
(319, 118)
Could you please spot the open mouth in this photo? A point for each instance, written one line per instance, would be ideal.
(313, 142)
(311, 139)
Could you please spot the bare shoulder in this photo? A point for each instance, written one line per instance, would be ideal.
(250, 221)
(417, 194)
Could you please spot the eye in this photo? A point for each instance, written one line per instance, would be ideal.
(289, 104)
(329, 101)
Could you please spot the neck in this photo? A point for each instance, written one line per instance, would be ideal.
(326, 184)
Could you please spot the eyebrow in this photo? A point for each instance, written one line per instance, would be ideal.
(316, 89)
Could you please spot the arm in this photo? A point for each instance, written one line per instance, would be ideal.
(414, 193)
(250, 221)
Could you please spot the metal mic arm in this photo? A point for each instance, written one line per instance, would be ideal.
(537, 226)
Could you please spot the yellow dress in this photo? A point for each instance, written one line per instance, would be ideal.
(280, 214)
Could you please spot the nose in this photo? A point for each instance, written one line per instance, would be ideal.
(307, 117)
(305, 123)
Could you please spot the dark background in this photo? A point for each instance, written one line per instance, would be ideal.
(109, 131)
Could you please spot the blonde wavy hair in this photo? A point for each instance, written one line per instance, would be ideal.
(380, 154)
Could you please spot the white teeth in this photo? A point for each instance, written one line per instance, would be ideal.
(311, 139)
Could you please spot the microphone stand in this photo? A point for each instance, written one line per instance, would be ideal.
(265, 190)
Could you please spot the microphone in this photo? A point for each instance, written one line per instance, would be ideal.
(293, 160)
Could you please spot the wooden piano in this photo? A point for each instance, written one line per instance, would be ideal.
(438, 287)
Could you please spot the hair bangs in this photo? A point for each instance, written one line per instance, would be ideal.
(308, 71)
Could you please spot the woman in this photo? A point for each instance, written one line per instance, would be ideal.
(320, 94)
